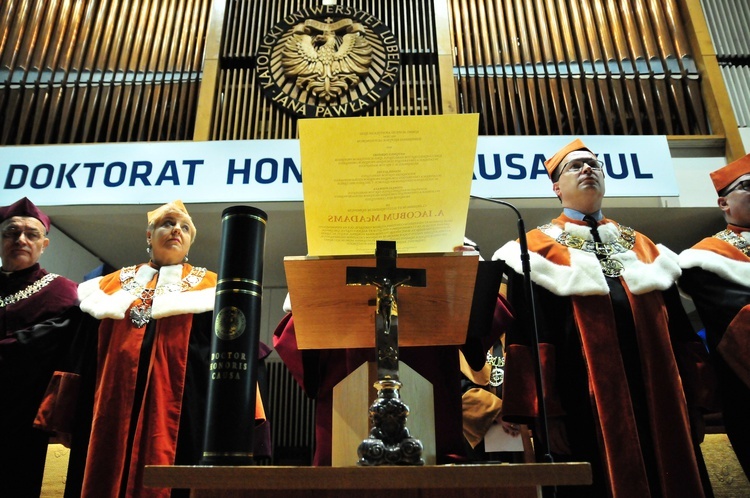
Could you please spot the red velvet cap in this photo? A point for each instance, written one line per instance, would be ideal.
(724, 177)
(24, 207)
(553, 162)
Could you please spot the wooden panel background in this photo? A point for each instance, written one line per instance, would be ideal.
(75, 71)
(78, 71)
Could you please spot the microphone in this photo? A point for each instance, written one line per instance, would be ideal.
(529, 293)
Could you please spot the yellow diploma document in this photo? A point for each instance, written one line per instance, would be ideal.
(403, 179)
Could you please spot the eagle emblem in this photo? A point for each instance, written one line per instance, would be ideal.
(327, 58)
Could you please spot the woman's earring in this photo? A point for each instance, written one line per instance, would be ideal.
(148, 249)
(186, 259)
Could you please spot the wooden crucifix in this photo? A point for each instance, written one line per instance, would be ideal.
(389, 442)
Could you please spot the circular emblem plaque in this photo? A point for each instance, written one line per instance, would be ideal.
(229, 323)
(329, 61)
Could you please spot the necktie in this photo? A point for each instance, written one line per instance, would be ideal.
(590, 221)
(610, 267)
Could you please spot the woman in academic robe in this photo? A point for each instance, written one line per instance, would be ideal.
(153, 324)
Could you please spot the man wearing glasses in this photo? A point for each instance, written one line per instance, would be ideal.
(608, 315)
(36, 308)
(716, 274)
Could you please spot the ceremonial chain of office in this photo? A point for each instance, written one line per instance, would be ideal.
(603, 250)
(28, 291)
(140, 314)
(734, 239)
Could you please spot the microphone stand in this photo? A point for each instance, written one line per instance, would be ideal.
(526, 267)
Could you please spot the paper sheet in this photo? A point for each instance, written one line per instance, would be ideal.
(399, 178)
(497, 439)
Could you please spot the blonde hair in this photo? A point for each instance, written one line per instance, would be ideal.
(155, 216)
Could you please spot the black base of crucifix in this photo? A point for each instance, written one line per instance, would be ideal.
(390, 442)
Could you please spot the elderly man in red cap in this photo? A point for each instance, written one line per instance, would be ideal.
(716, 274)
(612, 335)
(36, 308)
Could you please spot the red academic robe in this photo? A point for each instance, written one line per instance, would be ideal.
(716, 275)
(612, 358)
(140, 390)
(36, 310)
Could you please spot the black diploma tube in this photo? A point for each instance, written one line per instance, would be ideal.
(233, 373)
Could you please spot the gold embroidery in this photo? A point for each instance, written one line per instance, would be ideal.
(734, 239)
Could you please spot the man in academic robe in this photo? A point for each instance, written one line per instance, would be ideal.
(716, 275)
(613, 341)
(36, 311)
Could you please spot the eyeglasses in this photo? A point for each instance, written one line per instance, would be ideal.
(743, 185)
(15, 234)
(577, 165)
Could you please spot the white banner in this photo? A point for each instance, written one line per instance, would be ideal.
(270, 170)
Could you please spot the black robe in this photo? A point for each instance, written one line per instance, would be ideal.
(34, 336)
(719, 284)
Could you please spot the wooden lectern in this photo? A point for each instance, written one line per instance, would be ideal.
(435, 314)
(329, 314)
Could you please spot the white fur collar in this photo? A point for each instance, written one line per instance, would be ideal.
(584, 275)
(99, 304)
(733, 270)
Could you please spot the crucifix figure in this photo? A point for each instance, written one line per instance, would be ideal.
(389, 442)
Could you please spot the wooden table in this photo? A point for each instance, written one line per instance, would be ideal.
(430, 481)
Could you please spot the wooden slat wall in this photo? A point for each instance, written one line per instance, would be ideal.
(737, 78)
(240, 110)
(74, 71)
(77, 71)
(558, 67)
(729, 25)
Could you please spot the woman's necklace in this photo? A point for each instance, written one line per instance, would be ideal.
(140, 314)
